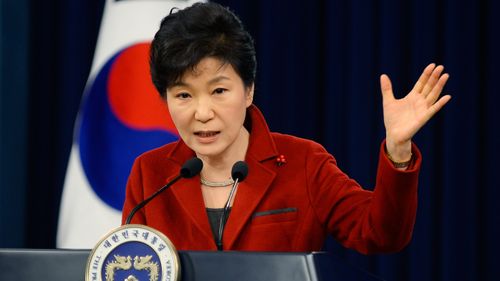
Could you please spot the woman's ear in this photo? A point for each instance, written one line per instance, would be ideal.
(249, 94)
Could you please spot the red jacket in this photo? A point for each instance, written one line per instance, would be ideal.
(289, 207)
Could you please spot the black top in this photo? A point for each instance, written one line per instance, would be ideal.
(214, 217)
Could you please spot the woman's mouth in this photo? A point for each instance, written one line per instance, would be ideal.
(206, 136)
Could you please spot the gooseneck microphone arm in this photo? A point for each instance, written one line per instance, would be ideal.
(239, 172)
(191, 168)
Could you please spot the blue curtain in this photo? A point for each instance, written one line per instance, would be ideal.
(47, 49)
(13, 120)
(318, 77)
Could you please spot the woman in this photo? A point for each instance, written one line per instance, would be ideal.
(203, 65)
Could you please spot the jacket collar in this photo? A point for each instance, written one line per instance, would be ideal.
(250, 192)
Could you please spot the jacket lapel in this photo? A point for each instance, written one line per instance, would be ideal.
(250, 193)
(253, 189)
(188, 192)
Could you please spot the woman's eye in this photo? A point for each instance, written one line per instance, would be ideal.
(219, 90)
(182, 95)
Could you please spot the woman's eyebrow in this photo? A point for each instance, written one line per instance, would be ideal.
(211, 81)
(218, 79)
(179, 84)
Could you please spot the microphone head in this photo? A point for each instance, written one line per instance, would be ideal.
(191, 167)
(239, 171)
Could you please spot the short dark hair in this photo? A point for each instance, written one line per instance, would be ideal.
(202, 30)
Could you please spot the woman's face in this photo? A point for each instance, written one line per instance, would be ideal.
(208, 107)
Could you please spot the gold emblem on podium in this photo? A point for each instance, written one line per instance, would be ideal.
(132, 253)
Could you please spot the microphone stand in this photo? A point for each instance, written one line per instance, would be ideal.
(222, 222)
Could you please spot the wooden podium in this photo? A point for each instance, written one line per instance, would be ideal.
(59, 265)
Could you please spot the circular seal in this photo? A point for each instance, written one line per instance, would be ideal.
(133, 252)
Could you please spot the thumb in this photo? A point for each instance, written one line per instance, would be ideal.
(386, 88)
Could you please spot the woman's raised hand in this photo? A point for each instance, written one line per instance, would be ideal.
(404, 117)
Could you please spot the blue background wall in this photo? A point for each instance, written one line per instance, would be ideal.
(318, 69)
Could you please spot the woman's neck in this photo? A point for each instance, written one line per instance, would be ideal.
(218, 168)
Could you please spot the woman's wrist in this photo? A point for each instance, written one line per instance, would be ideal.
(399, 153)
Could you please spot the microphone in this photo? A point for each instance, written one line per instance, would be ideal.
(239, 172)
(191, 168)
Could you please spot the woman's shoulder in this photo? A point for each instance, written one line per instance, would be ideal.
(296, 144)
(159, 154)
(301, 150)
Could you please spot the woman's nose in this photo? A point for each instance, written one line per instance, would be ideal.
(204, 111)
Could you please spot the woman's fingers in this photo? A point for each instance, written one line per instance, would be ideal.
(435, 92)
(433, 79)
(419, 85)
(433, 109)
